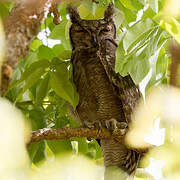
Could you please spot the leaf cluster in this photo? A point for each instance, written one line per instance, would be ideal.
(43, 84)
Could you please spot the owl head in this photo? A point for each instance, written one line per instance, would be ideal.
(91, 33)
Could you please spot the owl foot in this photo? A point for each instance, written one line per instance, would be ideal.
(116, 127)
(91, 125)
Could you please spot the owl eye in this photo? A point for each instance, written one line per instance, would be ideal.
(105, 30)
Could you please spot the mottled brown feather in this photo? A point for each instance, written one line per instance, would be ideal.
(103, 94)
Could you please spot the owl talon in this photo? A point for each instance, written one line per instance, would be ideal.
(122, 125)
(90, 125)
(111, 124)
(98, 125)
(114, 125)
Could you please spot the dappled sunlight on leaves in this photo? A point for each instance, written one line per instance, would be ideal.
(170, 16)
(161, 103)
(69, 167)
(172, 8)
(157, 122)
(43, 82)
(13, 135)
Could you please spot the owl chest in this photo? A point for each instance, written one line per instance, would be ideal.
(98, 101)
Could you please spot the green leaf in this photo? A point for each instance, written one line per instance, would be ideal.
(82, 145)
(62, 8)
(90, 7)
(4, 11)
(67, 27)
(57, 62)
(162, 63)
(120, 58)
(45, 52)
(98, 150)
(30, 59)
(66, 54)
(58, 49)
(60, 146)
(33, 89)
(33, 70)
(130, 15)
(51, 112)
(137, 4)
(141, 54)
(35, 44)
(42, 89)
(85, 13)
(32, 79)
(119, 18)
(59, 31)
(63, 111)
(148, 13)
(136, 31)
(94, 150)
(37, 117)
(73, 122)
(154, 5)
(139, 68)
(127, 4)
(62, 120)
(171, 25)
(159, 64)
(49, 22)
(37, 152)
(99, 14)
(60, 82)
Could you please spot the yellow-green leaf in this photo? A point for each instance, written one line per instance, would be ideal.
(172, 26)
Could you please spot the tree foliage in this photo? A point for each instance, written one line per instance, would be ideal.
(42, 81)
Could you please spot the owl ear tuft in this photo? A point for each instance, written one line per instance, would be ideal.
(73, 13)
(109, 12)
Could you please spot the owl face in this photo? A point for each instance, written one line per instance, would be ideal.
(90, 33)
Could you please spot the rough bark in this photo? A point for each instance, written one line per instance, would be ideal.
(69, 132)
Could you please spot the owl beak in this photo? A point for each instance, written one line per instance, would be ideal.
(95, 42)
(94, 39)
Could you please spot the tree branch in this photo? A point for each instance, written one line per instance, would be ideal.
(70, 132)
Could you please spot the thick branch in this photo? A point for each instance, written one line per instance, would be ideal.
(70, 132)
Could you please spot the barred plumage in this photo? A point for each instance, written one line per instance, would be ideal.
(103, 94)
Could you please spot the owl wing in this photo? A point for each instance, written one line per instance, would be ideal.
(129, 95)
(124, 87)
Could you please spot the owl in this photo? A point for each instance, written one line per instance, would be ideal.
(105, 98)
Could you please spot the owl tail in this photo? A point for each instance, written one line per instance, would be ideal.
(120, 162)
